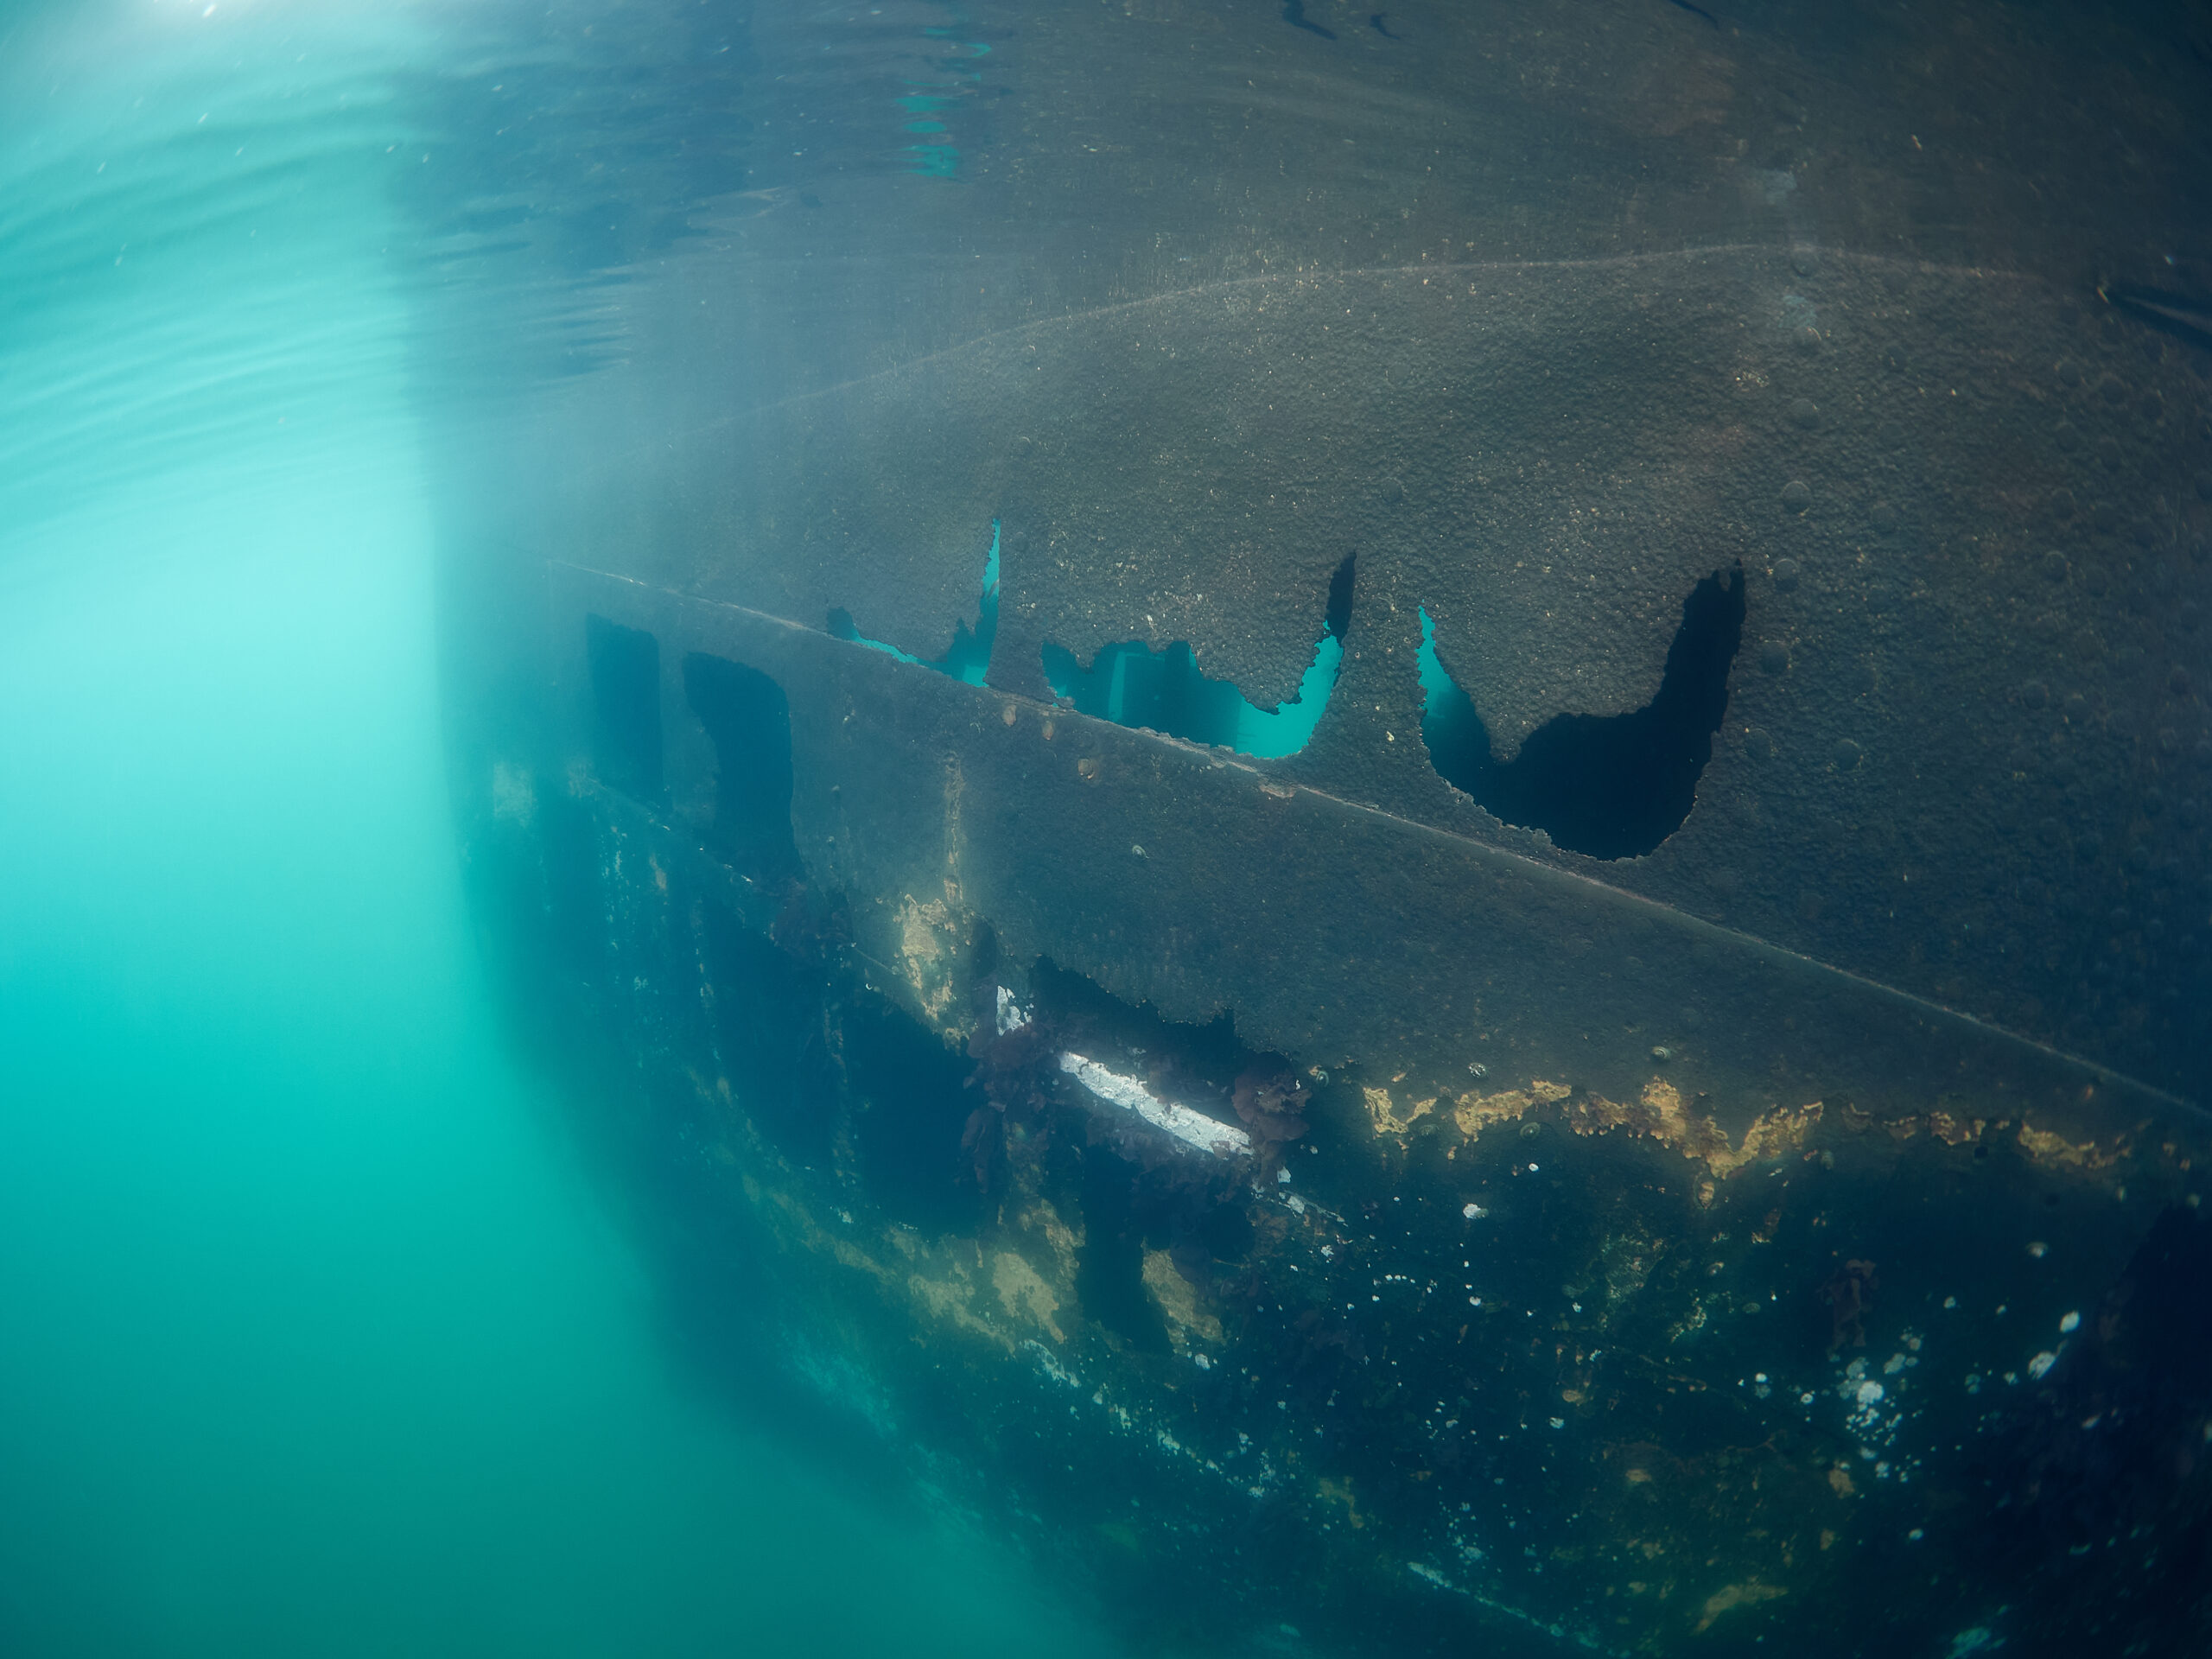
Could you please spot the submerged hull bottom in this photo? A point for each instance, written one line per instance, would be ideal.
(1300, 1230)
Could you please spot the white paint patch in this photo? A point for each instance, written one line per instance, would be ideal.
(1193, 1129)
(1011, 1015)
(2070, 1325)
(2041, 1364)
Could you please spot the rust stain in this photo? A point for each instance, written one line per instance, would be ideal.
(1953, 1131)
(1476, 1112)
(1023, 1293)
(1339, 1492)
(2046, 1147)
(1659, 1113)
(1388, 1120)
(1746, 1594)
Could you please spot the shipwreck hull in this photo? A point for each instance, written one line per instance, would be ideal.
(1633, 1283)
(1965, 751)
(954, 669)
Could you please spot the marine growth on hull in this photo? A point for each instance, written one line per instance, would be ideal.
(1397, 823)
(1551, 1318)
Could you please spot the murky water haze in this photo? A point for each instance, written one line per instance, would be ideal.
(327, 1327)
(314, 1336)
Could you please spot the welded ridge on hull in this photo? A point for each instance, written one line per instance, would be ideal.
(1284, 281)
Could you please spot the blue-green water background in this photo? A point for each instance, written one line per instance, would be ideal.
(314, 1336)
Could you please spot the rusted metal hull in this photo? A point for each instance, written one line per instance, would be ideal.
(1627, 1285)
(1327, 1202)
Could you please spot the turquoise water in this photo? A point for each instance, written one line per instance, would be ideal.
(314, 1336)
(1132, 685)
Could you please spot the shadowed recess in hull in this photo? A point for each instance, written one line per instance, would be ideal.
(748, 719)
(626, 706)
(1608, 786)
